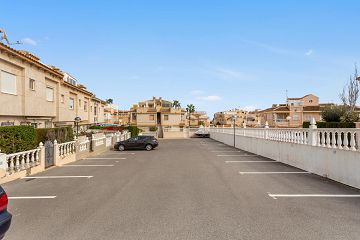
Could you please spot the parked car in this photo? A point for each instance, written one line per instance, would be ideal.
(202, 133)
(139, 142)
(5, 216)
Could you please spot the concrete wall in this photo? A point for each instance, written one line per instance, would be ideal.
(339, 165)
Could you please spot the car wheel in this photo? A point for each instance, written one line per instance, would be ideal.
(149, 147)
(121, 147)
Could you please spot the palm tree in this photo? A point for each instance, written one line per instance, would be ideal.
(176, 104)
(190, 109)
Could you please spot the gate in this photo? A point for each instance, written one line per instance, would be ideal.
(49, 154)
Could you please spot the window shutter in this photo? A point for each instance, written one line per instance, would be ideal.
(8, 82)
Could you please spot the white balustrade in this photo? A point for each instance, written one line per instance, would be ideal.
(22, 160)
(66, 149)
(83, 146)
(339, 138)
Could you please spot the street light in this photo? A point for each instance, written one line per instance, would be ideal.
(77, 121)
(234, 117)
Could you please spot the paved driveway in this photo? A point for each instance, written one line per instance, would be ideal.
(185, 189)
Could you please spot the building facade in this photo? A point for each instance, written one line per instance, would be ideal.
(33, 93)
(294, 112)
(242, 118)
(156, 113)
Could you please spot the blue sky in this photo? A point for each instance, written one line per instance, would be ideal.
(217, 55)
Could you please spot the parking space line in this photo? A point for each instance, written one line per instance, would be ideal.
(226, 151)
(103, 158)
(252, 162)
(86, 165)
(276, 196)
(32, 197)
(244, 155)
(242, 173)
(45, 177)
(119, 153)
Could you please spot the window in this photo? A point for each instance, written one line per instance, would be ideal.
(49, 94)
(151, 117)
(71, 103)
(85, 106)
(95, 110)
(79, 102)
(32, 84)
(8, 83)
(166, 117)
(296, 117)
(62, 98)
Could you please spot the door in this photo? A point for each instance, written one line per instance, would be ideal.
(132, 143)
(49, 154)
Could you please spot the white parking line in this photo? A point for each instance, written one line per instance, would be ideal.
(275, 196)
(119, 153)
(83, 165)
(252, 162)
(33, 197)
(103, 158)
(57, 177)
(274, 173)
(244, 155)
(225, 151)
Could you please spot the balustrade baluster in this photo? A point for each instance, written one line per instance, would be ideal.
(346, 141)
(328, 139)
(352, 141)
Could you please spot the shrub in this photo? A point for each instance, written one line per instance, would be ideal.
(95, 127)
(63, 134)
(333, 114)
(17, 139)
(330, 125)
(153, 129)
(133, 130)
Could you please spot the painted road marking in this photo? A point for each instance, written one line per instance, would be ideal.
(244, 155)
(252, 162)
(119, 153)
(103, 158)
(274, 173)
(275, 196)
(226, 151)
(57, 177)
(83, 165)
(33, 197)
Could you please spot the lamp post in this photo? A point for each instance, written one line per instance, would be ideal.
(234, 117)
(77, 121)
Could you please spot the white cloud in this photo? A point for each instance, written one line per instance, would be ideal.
(309, 52)
(196, 92)
(210, 98)
(29, 41)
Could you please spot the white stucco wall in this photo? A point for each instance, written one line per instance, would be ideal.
(339, 165)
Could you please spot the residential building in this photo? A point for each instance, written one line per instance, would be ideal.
(33, 93)
(294, 112)
(111, 114)
(157, 113)
(198, 118)
(243, 118)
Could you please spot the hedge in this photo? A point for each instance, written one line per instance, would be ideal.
(17, 139)
(63, 134)
(133, 130)
(330, 125)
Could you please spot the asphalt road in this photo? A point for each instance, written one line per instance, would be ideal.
(182, 190)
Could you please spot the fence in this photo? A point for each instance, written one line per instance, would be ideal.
(332, 153)
(17, 165)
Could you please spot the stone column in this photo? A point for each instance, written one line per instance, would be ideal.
(3, 164)
(56, 154)
(312, 133)
(266, 130)
(42, 155)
